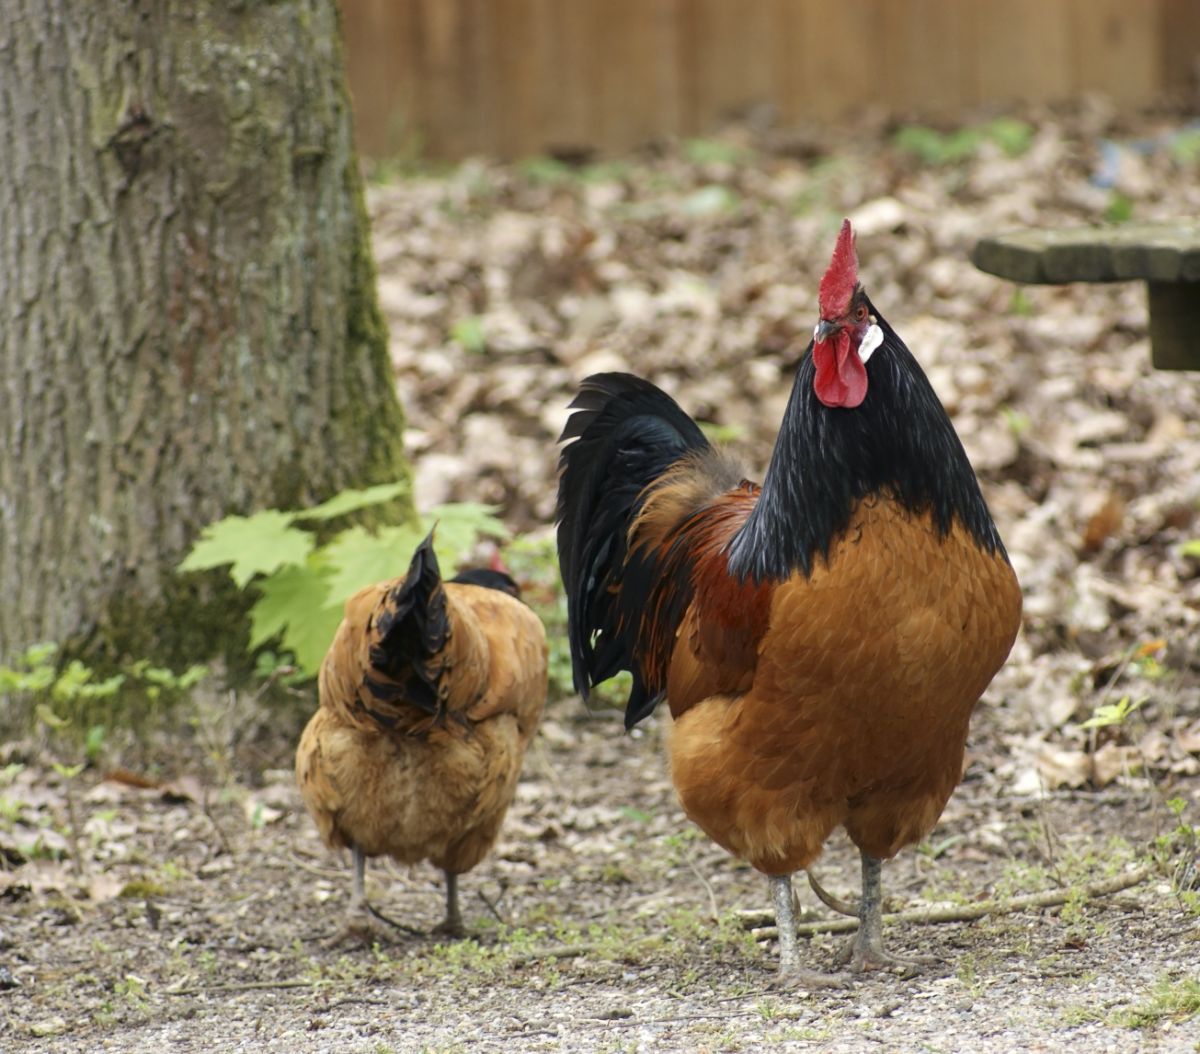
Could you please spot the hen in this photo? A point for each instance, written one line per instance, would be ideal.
(822, 639)
(429, 695)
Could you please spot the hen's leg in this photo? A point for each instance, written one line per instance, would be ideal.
(865, 949)
(790, 971)
(359, 914)
(452, 925)
(358, 893)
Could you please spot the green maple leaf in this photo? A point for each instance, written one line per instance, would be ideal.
(358, 558)
(352, 500)
(254, 545)
(459, 525)
(294, 605)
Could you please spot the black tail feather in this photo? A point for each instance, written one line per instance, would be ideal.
(489, 578)
(413, 629)
(624, 434)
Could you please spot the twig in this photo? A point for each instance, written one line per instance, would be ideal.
(352, 1001)
(241, 986)
(313, 869)
(73, 825)
(712, 897)
(842, 907)
(493, 906)
(566, 951)
(279, 671)
(216, 826)
(970, 912)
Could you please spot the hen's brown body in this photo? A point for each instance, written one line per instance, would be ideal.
(383, 776)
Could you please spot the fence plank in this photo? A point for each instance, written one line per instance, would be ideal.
(926, 50)
(1115, 46)
(517, 77)
(1180, 33)
(728, 53)
(838, 57)
(1023, 50)
(379, 46)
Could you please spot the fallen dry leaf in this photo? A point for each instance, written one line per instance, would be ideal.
(1063, 768)
(1111, 761)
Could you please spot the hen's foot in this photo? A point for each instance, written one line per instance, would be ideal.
(360, 928)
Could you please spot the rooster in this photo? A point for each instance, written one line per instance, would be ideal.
(429, 695)
(820, 639)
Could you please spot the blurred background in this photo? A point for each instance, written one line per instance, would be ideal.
(512, 78)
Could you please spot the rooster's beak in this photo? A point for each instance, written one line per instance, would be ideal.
(824, 330)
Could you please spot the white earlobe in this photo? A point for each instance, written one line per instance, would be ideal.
(871, 340)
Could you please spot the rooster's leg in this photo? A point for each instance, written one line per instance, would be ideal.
(865, 950)
(452, 925)
(790, 971)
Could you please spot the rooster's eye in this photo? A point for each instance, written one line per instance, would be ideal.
(860, 313)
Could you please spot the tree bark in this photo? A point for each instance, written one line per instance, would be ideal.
(188, 318)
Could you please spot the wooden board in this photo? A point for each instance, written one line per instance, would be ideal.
(1022, 50)
(1115, 48)
(512, 78)
(1158, 252)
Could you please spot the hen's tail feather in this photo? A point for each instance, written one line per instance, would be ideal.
(411, 628)
(624, 434)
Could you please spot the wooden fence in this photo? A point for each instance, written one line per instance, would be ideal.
(520, 77)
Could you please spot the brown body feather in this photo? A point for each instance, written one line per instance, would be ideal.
(391, 779)
(852, 708)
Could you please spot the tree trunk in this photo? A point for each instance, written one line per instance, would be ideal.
(188, 317)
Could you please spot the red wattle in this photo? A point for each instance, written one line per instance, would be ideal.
(841, 378)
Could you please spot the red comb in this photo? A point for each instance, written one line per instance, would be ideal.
(496, 564)
(837, 287)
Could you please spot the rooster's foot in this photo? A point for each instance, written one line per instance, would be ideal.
(452, 928)
(863, 955)
(791, 977)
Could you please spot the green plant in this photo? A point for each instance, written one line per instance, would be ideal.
(718, 433)
(470, 335)
(301, 583)
(1185, 147)
(1108, 714)
(1021, 305)
(714, 152)
(544, 169)
(76, 705)
(1171, 999)
(931, 147)
(1119, 208)
(1182, 842)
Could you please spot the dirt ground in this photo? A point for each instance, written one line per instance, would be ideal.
(193, 913)
(199, 925)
